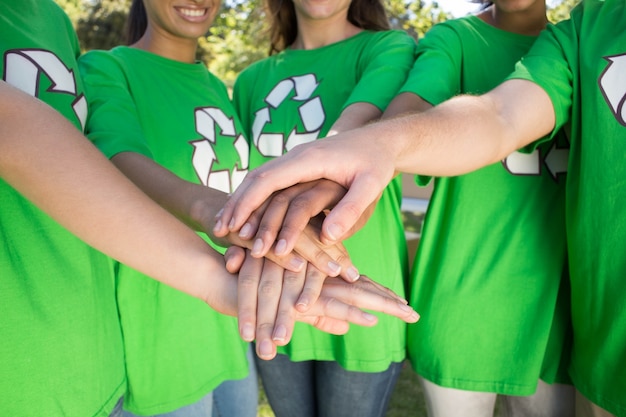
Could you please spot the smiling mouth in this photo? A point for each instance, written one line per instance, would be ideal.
(192, 12)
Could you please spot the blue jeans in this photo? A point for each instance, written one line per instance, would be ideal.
(238, 398)
(202, 408)
(117, 411)
(325, 389)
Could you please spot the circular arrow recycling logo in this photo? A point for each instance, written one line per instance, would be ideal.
(311, 113)
(24, 67)
(205, 159)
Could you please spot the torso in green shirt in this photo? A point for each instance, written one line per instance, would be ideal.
(60, 340)
(295, 97)
(177, 348)
(580, 63)
(488, 270)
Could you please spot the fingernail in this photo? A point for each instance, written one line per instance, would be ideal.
(247, 333)
(303, 303)
(218, 225)
(231, 225)
(281, 247)
(334, 267)
(353, 273)
(280, 333)
(334, 231)
(246, 231)
(257, 247)
(265, 349)
(369, 317)
(405, 307)
(297, 263)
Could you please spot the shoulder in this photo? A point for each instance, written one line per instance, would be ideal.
(253, 70)
(387, 37)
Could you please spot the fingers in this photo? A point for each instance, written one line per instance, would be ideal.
(234, 258)
(322, 195)
(292, 261)
(341, 219)
(249, 229)
(247, 294)
(272, 221)
(363, 294)
(256, 188)
(333, 260)
(330, 311)
(382, 290)
(311, 289)
(285, 317)
(269, 297)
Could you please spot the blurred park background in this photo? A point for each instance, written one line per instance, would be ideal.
(237, 39)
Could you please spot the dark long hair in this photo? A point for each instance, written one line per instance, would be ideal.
(283, 26)
(137, 22)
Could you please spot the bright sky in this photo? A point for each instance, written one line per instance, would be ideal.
(458, 8)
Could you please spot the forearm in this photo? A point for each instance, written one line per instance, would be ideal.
(469, 132)
(354, 116)
(193, 204)
(51, 163)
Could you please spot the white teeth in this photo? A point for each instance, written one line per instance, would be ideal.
(192, 12)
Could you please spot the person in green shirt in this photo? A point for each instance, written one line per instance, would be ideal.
(492, 248)
(571, 77)
(334, 66)
(188, 159)
(61, 346)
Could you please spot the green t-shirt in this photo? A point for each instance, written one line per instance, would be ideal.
(488, 271)
(580, 63)
(177, 348)
(61, 348)
(295, 97)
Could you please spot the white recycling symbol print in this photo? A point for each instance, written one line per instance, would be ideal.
(204, 157)
(613, 86)
(555, 160)
(311, 113)
(23, 67)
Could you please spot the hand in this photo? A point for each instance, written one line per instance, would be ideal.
(364, 166)
(290, 213)
(267, 304)
(293, 209)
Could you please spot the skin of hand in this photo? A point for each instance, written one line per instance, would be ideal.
(456, 137)
(272, 320)
(296, 210)
(196, 205)
(82, 190)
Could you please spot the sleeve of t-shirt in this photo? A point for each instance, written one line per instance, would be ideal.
(435, 76)
(113, 123)
(241, 98)
(548, 64)
(383, 68)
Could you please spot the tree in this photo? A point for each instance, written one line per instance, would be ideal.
(560, 11)
(415, 17)
(239, 37)
(101, 24)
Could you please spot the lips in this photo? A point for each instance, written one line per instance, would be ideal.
(192, 13)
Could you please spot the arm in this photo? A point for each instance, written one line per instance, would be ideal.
(115, 126)
(51, 163)
(82, 190)
(456, 137)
